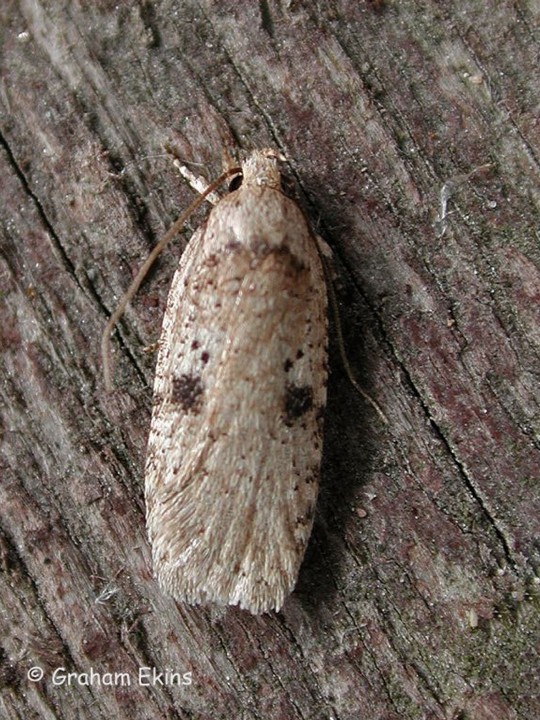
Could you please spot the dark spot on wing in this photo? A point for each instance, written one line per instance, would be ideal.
(233, 246)
(281, 254)
(187, 391)
(157, 399)
(298, 400)
(306, 519)
(319, 418)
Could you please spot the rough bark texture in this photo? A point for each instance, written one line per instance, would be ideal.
(417, 598)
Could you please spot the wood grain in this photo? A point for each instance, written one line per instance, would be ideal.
(417, 598)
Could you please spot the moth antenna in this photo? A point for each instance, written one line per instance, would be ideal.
(136, 283)
(341, 344)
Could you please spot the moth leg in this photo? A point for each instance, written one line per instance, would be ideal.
(197, 182)
(324, 249)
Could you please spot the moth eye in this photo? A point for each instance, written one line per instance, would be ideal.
(235, 183)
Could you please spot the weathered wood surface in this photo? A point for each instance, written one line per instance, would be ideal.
(417, 598)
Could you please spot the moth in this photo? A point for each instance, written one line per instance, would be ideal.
(234, 451)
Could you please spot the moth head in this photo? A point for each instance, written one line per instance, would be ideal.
(261, 167)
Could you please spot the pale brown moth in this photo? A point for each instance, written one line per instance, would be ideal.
(234, 452)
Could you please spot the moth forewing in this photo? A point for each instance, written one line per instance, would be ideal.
(236, 436)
